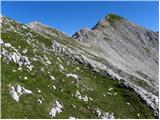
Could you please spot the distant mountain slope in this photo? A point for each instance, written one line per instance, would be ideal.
(46, 74)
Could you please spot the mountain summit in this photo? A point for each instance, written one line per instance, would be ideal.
(110, 71)
(109, 19)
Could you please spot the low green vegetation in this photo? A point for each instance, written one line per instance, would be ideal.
(113, 18)
(102, 92)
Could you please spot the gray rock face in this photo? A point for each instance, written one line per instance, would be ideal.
(128, 50)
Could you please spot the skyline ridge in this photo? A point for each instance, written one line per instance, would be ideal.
(70, 17)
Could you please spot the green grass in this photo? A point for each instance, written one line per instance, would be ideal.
(28, 107)
(100, 86)
(113, 18)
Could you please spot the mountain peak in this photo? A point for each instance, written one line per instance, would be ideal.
(109, 19)
(113, 17)
(35, 23)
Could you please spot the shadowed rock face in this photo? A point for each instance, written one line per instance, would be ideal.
(129, 51)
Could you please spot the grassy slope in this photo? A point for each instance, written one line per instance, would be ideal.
(28, 107)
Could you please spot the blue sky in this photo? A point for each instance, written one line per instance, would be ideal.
(69, 17)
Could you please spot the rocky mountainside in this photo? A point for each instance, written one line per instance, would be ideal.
(129, 52)
(110, 71)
